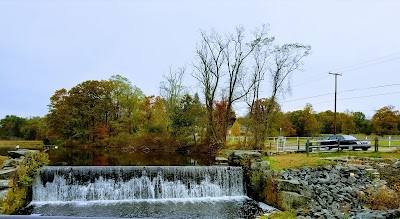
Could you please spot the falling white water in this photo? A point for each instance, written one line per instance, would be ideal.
(62, 184)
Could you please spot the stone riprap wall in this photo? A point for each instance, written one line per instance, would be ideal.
(330, 192)
(317, 192)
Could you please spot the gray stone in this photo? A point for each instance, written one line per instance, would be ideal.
(244, 153)
(396, 164)
(351, 179)
(323, 181)
(4, 183)
(19, 153)
(221, 160)
(289, 185)
(3, 194)
(262, 165)
(11, 163)
(6, 174)
(292, 200)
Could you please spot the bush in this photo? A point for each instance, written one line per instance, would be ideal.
(21, 183)
(381, 199)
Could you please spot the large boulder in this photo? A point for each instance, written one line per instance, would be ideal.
(11, 163)
(7, 173)
(291, 200)
(20, 153)
(262, 165)
(396, 164)
(244, 153)
(289, 185)
(5, 183)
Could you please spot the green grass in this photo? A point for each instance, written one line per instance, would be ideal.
(22, 144)
(281, 215)
(288, 161)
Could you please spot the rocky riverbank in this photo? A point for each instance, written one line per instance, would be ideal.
(354, 187)
(335, 191)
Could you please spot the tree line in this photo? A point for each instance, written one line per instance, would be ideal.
(186, 123)
(308, 123)
(228, 68)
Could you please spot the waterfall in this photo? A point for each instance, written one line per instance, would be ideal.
(136, 183)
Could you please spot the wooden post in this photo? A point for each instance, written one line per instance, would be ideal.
(376, 144)
(298, 143)
(338, 146)
(307, 146)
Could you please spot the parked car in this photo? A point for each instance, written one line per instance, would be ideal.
(346, 142)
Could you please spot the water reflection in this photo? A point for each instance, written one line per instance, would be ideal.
(124, 157)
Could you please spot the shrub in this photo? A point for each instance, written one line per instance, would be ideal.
(382, 198)
(19, 194)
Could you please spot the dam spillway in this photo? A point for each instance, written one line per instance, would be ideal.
(122, 183)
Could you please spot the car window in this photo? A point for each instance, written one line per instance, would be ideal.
(349, 137)
(326, 138)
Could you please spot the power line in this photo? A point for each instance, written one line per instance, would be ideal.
(375, 95)
(372, 64)
(349, 68)
(350, 90)
(368, 61)
(350, 98)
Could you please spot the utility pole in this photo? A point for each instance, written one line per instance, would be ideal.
(334, 118)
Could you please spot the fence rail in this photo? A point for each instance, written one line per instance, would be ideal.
(299, 143)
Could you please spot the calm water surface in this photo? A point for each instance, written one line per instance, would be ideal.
(124, 157)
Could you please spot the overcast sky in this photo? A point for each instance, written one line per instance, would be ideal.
(49, 45)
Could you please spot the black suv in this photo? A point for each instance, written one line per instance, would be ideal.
(346, 142)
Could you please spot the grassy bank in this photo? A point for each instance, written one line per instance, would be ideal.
(22, 144)
(287, 161)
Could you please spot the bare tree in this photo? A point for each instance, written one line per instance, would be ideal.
(172, 89)
(208, 71)
(220, 58)
(237, 54)
(284, 60)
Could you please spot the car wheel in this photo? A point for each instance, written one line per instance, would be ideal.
(351, 148)
(365, 149)
(327, 148)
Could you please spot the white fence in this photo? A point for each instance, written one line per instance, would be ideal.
(298, 143)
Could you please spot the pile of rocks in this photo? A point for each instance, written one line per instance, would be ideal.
(333, 192)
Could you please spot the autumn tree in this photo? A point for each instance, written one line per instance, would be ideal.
(258, 129)
(10, 127)
(125, 111)
(188, 119)
(34, 129)
(235, 130)
(283, 121)
(348, 125)
(325, 120)
(220, 119)
(153, 115)
(79, 113)
(305, 122)
(385, 121)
